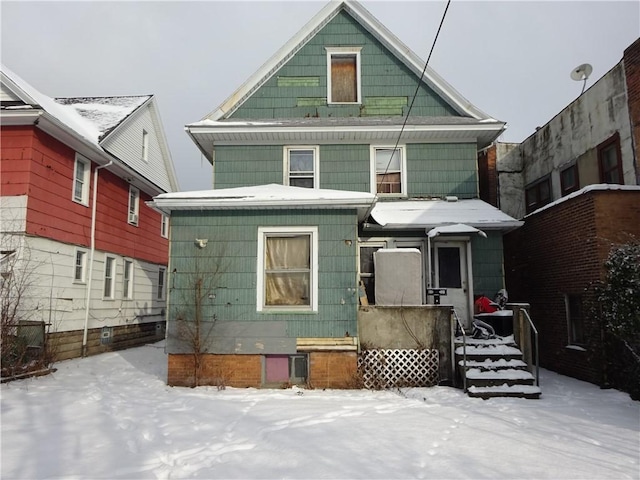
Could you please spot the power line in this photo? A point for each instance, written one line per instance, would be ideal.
(415, 94)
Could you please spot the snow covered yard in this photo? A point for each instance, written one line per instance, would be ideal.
(112, 416)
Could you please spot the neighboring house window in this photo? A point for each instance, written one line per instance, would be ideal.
(134, 205)
(145, 145)
(81, 174)
(610, 160)
(127, 280)
(80, 266)
(367, 271)
(162, 272)
(301, 166)
(575, 321)
(287, 268)
(388, 166)
(569, 180)
(538, 194)
(343, 75)
(109, 277)
(164, 226)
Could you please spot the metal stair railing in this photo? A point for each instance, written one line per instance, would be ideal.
(464, 350)
(535, 338)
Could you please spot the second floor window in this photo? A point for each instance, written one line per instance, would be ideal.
(538, 194)
(609, 161)
(301, 166)
(164, 226)
(81, 174)
(134, 205)
(569, 180)
(389, 168)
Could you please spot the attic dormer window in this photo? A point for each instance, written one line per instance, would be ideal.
(343, 75)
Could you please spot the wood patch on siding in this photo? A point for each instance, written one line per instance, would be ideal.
(298, 81)
(384, 105)
(310, 102)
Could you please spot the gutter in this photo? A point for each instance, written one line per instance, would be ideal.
(91, 256)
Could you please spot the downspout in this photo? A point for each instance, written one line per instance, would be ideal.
(93, 250)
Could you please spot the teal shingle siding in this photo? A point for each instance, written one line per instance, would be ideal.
(232, 246)
(432, 169)
(382, 74)
(487, 264)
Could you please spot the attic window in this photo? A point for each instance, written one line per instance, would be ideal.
(145, 145)
(343, 75)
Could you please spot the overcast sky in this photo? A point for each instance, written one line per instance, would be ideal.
(510, 59)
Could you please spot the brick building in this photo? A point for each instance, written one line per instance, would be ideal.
(574, 182)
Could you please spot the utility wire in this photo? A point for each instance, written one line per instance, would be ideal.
(406, 118)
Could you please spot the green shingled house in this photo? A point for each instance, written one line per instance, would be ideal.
(322, 203)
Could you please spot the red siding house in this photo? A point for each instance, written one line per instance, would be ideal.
(76, 232)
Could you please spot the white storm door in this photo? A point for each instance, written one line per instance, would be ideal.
(450, 269)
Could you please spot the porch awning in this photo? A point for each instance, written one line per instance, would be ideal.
(429, 214)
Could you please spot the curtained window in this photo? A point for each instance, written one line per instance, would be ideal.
(287, 269)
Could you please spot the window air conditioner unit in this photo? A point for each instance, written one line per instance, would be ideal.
(133, 218)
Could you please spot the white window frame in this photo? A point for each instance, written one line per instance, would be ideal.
(344, 51)
(83, 199)
(164, 226)
(82, 266)
(145, 145)
(286, 164)
(263, 234)
(133, 212)
(109, 278)
(403, 172)
(162, 285)
(127, 279)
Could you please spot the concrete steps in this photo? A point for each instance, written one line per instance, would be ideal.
(495, 368)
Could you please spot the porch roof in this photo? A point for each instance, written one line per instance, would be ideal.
(270, 196)
(428, 214)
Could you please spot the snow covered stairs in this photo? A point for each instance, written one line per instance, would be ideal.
(494, 368)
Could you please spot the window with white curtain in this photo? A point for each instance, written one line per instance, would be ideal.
(287, 268)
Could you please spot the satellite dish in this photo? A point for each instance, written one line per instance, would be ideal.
(582, 72)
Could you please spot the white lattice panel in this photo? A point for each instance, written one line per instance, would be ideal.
(399, 368)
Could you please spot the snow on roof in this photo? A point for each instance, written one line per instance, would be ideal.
(597, 187)
(272, 195)
(434, 213)
(104, 113)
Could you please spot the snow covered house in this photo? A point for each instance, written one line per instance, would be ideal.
(318, 187)
(76, 173)
(575, 184)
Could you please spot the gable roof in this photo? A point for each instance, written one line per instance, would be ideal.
(377, 30)
(84, 124)
(105, 113)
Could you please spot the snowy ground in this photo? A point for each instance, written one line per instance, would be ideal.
(112, 416)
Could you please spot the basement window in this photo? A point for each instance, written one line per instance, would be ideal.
(282, 369)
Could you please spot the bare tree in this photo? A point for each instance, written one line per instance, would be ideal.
(193, 295)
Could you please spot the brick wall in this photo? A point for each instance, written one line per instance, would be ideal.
(631, 60)
(487, 176)
(332, 369)
(559, 251)
(326, 370)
